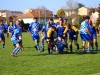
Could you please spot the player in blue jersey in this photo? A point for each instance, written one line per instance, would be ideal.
(6, 28)
(10, 28)
(61, 30)
(44, 33)
(93, 35)
(52, 23)
(16, 39)
(34, 29)
(85, 33)
(59, 19)
(2, 37)
(72, 37)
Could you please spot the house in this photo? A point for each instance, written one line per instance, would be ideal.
(3, 18)
(45, 12)
(89, 11)
(28, 17)
(72, 15)
(8, 13)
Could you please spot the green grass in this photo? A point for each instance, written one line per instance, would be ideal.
(32, 62)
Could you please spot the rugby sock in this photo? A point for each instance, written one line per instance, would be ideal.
(96, 44)
(70, 48)
(48, 50)
(3, 45)
(14, 51)
(89, 48)
(17, 50)
(77, 46)
(92, 45)
(42, 45)
(37, 46)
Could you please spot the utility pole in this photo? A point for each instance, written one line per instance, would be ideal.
(39, 16)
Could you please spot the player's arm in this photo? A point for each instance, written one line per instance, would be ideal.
(65, 31)
(29, 28)
(49, 33)
(8, 30)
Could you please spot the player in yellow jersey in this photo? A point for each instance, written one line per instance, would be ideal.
(51, 38)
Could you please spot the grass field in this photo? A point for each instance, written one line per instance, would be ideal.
(32, 62)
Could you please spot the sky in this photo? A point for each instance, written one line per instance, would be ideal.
(53, 5)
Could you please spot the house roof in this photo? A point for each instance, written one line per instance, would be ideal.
(2, 18)
(32, 15)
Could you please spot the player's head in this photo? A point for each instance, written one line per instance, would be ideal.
(60, 18)
(69, 26)
(90, 22)
(65, 21)
(51, 21)
(11, 23)
(35, 19)
(53, 28)
(17, 22)
(87, 18)
(61, 22)
(1, 22)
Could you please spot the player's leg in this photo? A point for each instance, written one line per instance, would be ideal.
(95, 41)
(16, 49)
(49, 46)
(83, 42)
(3, 40)
(66, 43)
(42, 42)
(36, 38)
(70, 45)
(75, 42)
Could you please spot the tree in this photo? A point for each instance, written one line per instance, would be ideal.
(80, 5)
(98, 19)
(60, 12)
(21, 22)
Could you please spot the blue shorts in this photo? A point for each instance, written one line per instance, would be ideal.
(2, 36)
(15, 41)
(35, 37)
(94, 36)
(85, 37)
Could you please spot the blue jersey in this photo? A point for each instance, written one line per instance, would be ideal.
(60, 45)
(92, 29)
(11, 30)
(17, 34)
(83, 27)
(60, 30)
(57, 23)
(2, 28)
(6, 27)
(54, 24)
(71, 33)
(15, 26)
(34, 28)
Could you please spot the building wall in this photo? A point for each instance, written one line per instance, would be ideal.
(83, 11)
(29, 20)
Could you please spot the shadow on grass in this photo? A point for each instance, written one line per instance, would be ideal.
(92, 52)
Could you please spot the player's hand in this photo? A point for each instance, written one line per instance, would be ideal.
(30, 34)
(63, 35)
(48, 40)
(74, 35)
(55, 39)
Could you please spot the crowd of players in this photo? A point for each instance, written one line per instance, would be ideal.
(58, 35)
